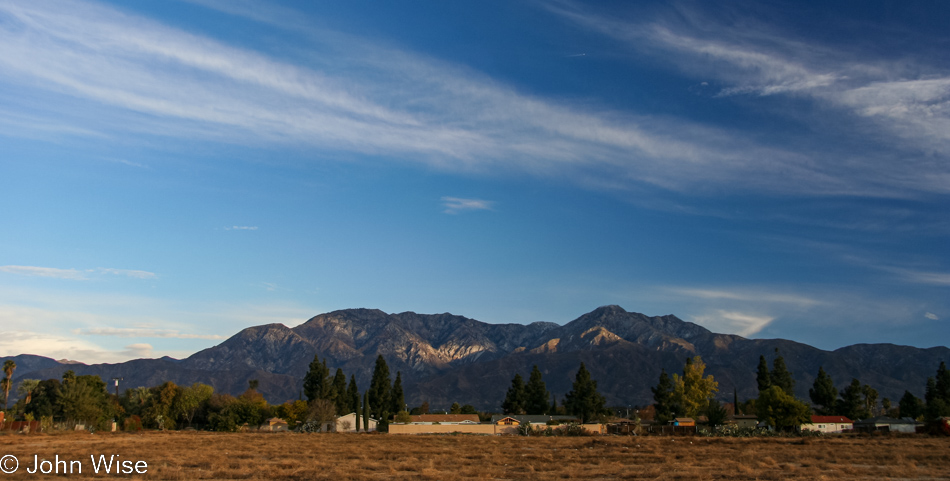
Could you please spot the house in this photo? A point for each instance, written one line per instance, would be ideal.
(886, 424)
(743, 421)
(347, 424)
(534, 420)
(683, 422)
(829, 424)
(274, 425)
(444, 419)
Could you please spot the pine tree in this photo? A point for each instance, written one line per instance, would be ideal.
(762, 377)
(353, 396)
(851, 405)
(781, 377)
(317, 384)
(366, 411)
(870, 399)
(584, 401)
(515, 397)
(553, 410)
(356, 412)
(339, 394)
(398, 398)
(823, 393)
(910, 406)
(536, 393)
(380, 389)
(942, 383)
(663, 398)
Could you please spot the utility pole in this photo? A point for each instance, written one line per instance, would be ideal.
(117, 379)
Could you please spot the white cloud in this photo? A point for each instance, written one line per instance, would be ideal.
(108, 71)
(742, 324)
(129, 273)
(141, 332)
(750, 295)
(241, 227)
(455, 205)
(70, 274)
(73, 274)
(908, 101)
(931, 316)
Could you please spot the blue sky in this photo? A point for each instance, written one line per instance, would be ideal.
(172, 172)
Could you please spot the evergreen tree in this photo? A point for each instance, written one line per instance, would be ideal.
(366, 411)
(735, 402)
(340, 399)
(584, 401)
(353, 394)
(663, 398)
(515, 397)
(398, 398)
(762, 377)
(942, 383)
(910, 406)
(553, 410)
(380, 390)
(455, 409)
(536, 394)
(870, 400)
(780, 376)
(938, 401)
(716, 413)
(317, 383)
(823, 393)
(356, 411)
(851, 404)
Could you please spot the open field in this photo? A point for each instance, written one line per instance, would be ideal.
(197, 455)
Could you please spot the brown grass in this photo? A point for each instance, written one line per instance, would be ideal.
(196, 455)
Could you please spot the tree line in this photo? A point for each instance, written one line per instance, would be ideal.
(692, 395)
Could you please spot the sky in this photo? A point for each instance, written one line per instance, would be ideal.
(173, 172)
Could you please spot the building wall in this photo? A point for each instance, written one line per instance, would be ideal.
(473, 428)
(827, 427)
(444, 428)
(353, 428)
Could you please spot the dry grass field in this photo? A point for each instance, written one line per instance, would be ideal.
(196, 455)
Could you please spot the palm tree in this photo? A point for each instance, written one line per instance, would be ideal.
(8, 367)
(5, 385)
(26, 388)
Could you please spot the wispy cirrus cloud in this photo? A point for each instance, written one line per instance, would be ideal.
(33, 271)
(906, 100)
(137, 76)
(241, 227)
(742, 324)
(142, 332)
(74, 274)
(456, 205)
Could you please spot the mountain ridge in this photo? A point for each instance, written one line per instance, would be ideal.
(447, 358)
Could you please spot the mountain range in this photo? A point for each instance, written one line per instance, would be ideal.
(446, 358)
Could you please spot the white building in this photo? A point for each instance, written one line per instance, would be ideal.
(829, 424)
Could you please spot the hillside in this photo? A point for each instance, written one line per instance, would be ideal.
(446, 358)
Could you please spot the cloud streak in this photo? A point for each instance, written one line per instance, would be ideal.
(120, 74)
(52, 272)
(73, 274)
(907, 101)
(456, 205)
(141, 332)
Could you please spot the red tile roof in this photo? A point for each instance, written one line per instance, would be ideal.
(830, 420)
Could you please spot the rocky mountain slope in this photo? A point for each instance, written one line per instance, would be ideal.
(446, 358)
